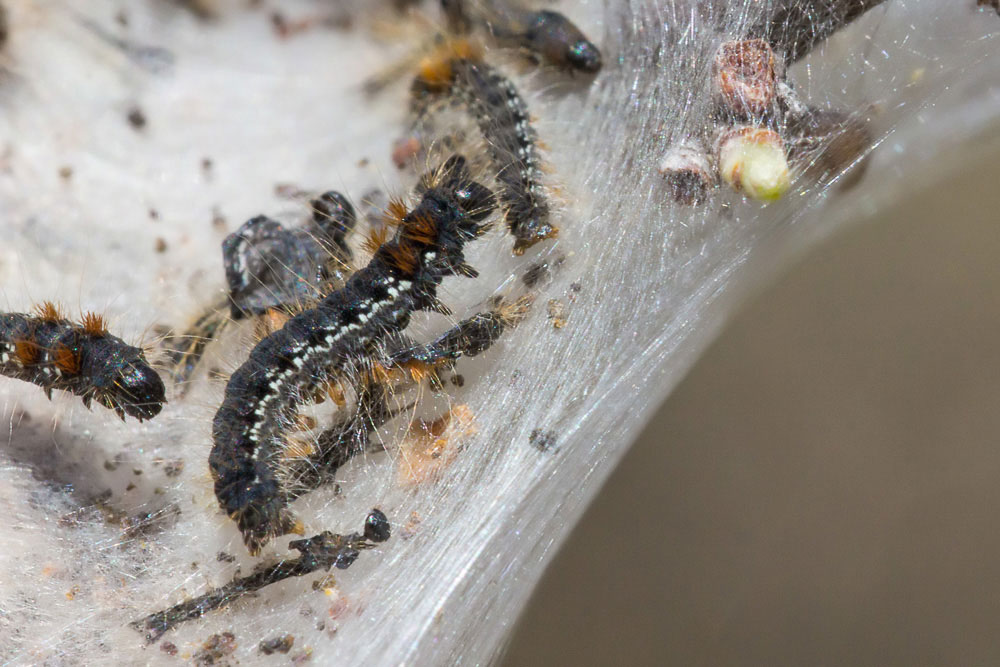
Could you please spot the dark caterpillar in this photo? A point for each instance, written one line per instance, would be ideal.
(317, 553)
(268, 266)
(291, 364)
(502, 118)
(548, 35)
(54, 353)
(349, 436)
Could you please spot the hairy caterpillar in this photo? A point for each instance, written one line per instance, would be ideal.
(84, 359)
(336, 445)
(502, 118)
(287, 366)
(548, 35)
(268, 266)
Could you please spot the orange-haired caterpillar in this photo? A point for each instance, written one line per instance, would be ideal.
(502, 118)
(84, 359)
(548, 35)
(320, 343)
(336, 445)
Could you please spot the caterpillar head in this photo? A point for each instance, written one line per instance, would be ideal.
(123, 381)
(139, 390)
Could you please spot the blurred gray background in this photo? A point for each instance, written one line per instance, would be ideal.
(824, 487)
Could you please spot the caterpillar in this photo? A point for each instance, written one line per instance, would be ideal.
(318, 553)
(314, 345)
(84, 359)
(545, 34)
(336, 445)
(268, 266)
(502, 117)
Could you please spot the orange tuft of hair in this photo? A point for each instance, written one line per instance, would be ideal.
(66, 360)
(336, 394)
(26, 351)
(395, 212)
(94, 324)
(298, 449)
(513, 313)
(48, 312)
(435, 69)
(420, 229)
(272, 320)
(402, 256)
(376, 239)
(418, 370)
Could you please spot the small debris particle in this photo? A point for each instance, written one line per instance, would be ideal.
(130, 487)
(282, 644)
(574, 290)
(557, 313)
(429, 447)
(544, 441)
(223, 557)
(206, 165)
(363, 162)
(289, 191)
(535, 274)
(169, 648)
(327, 582)
(194, 566)
(136, 118)
(111, 466)
(161, 245)
(154, 214)
(412, 524)
(303, 657)
(377, 528)
(136, 471)
(66, 172)
(173, 467)
(218, 220)
(215, 649)
(404, 151)
(458, 380)
(72, 593)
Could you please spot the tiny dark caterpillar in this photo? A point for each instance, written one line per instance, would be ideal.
(548, 35)
(320, 552)
(268, 266)
(48, 350)
(313, 346)
(502, 118)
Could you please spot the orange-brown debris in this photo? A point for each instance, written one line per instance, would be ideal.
(523, 244)
(429, 447)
